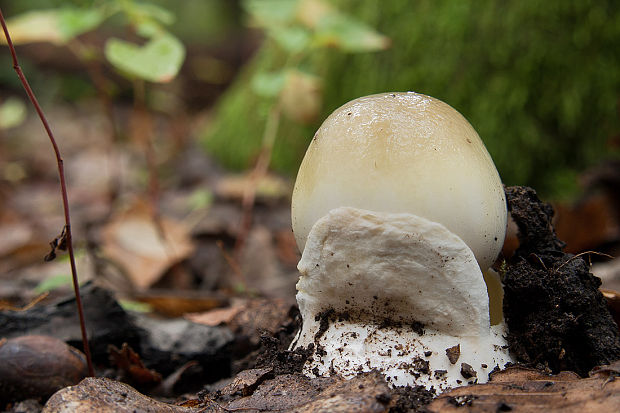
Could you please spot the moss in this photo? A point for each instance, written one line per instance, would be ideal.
(539, 81)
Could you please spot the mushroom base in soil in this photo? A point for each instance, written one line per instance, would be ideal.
(397, 207)
(399, 294)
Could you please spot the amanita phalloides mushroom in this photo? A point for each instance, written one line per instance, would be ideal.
(398, 209)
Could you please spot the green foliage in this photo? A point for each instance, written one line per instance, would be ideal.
(539, 81)
(55, 26)
(53, 283)
(12, 113)
(284, 75)
(158, 60)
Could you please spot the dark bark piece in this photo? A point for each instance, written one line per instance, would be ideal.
(106, 321)
(367, 392)
(293, 392)
(557, 318)
(246, 382)
(104, 395)
(163, 345)
(169, 344)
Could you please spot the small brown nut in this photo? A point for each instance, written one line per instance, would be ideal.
(37, 366)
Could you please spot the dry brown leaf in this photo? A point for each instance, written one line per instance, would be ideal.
(130, 363)
(247, 316)
(179, 303)
(144, 249)
(269, 187)
(613, 302)
(587, 225)
(215, 317)
(518, 389)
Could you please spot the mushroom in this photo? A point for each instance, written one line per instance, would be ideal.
(397, 210)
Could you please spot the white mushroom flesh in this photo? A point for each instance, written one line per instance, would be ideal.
(383, 276)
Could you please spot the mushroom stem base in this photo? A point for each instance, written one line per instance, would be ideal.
(405, 354)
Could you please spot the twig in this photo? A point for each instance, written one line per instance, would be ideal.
(63, 186)
(145, 139)
(257, 174)
(233, 264)
(28, 306)
(540, 260)
(602, 254)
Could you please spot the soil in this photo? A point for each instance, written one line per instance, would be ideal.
(557, 318)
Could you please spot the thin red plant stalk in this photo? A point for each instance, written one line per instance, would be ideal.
(63, 186)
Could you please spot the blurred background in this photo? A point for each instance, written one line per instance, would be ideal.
(182, 125)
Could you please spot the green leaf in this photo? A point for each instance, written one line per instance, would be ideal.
(292, 39)
(268, 84)
(53, 282)
(159, 60)
(267, 13)
(56, 26)
(73, 22)
(135, 306)
(140, 11)
(149, 29)
(200, 199)
(12, 113)
(348, 34)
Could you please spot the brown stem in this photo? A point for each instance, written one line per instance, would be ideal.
(144, 136)
(258, 173)
(63, 186)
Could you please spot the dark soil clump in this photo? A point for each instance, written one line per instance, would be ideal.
(283, 361)
(557, 318)
(410, 399)
(273, 351)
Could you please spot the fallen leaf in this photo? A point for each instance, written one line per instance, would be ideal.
(269, 187)
(144, 249)
(613, 303)
(519, 389)
(129, 362)
(250, 319)
(178, 303)
(215, 317)
(588, 224)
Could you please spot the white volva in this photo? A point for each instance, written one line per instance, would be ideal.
(383, 276)
(397, 207)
